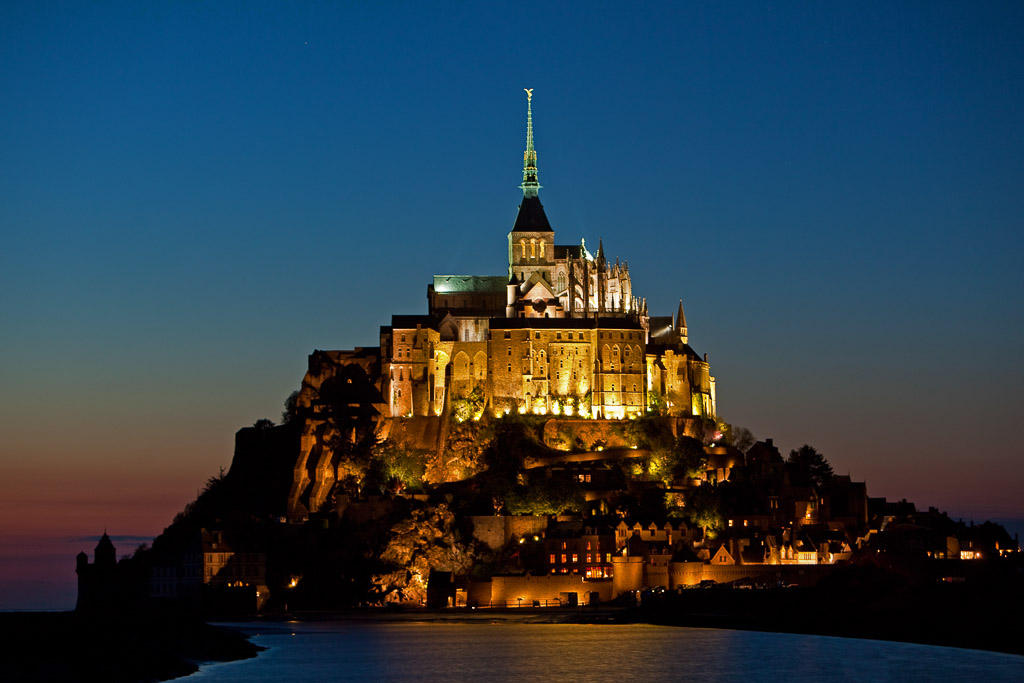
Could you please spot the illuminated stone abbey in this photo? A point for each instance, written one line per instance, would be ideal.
(561, 333)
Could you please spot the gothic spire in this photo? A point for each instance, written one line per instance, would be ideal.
(531, 217)
(684, 334)
(530, 184)
(680, 316)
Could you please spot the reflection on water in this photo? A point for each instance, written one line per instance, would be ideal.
(502, 651)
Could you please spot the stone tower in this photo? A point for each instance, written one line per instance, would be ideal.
(531, 242)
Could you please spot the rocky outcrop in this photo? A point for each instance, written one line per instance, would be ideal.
(427, 540)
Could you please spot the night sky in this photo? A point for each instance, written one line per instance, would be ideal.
(197, 195)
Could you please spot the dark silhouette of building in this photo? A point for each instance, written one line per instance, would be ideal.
(97, 582)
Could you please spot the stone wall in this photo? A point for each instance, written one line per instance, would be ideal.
(692, 573)
(496, 531)
(508, 590)
(417, 433)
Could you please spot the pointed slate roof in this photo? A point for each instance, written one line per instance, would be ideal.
(680, 317)
(531, 217)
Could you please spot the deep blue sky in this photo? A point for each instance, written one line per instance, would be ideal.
(196, 195)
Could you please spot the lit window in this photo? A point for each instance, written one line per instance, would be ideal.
(563, 558)
(542, 248)
(533, 248)
(588, 560)
(552, 561)
(575, 557)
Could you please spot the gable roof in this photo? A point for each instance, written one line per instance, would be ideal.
(444, 284)
(536, 288)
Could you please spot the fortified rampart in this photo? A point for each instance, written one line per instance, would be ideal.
(630, 573)
(524, 591)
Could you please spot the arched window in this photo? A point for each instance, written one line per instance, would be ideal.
(533, 248)
(561, 282)
(522, 248)
(542, 248)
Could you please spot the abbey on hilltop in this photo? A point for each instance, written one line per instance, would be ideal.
(560, 333)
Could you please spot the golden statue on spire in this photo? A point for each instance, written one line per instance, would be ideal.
(529, 94)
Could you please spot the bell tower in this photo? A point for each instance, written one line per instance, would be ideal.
(531, 243)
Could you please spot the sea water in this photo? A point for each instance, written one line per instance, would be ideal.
(508, 651)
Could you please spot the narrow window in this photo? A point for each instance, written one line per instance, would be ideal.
(533, 248)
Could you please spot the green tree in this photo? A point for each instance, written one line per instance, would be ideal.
(291, 408)
(690, 458)
(544, 496)
(394, 468)
(808, 462)
(704, 508)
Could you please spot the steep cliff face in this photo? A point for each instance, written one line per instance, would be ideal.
(263, 465)
(339, 408)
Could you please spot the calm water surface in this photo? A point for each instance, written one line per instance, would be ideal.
(504, 651)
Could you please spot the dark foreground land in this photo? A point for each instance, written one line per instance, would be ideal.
(856, 602)
(135, 646)
(863, 604)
